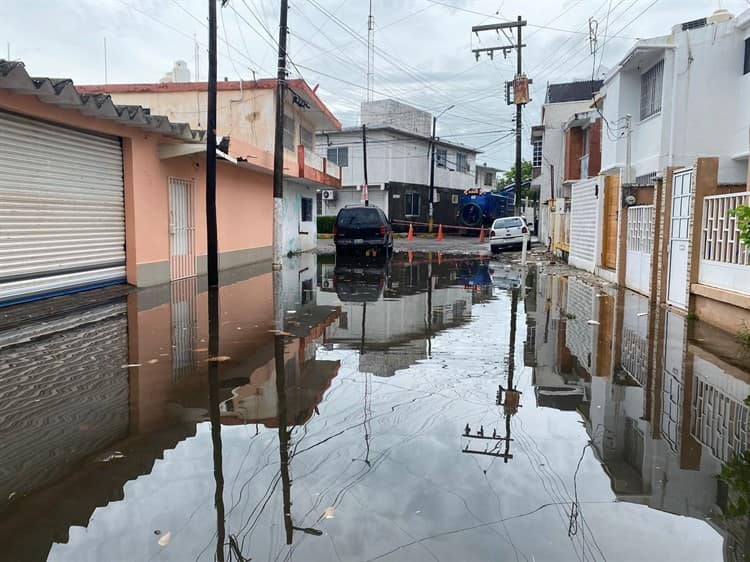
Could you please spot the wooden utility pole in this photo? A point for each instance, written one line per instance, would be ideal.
(211, 227)
(278, 147)
(365, 187)
(520, 86)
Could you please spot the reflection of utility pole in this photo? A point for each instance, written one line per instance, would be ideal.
(512, 397)
(366, 421)
(429, 307)
(286, 482)
(213, 400)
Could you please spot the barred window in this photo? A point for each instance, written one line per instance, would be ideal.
(441, 157)
(339, 156)
(461, 164)
(306, 137)
(288, 132)
(651, 88)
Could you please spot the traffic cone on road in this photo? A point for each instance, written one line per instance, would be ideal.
(481, 235)
(411, 233)
(440, 233)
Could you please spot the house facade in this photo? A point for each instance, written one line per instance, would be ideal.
(559, 146)
(246, 113)
(398, 164)
(93, 193)
(686, 94)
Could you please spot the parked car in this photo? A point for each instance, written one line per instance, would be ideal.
(508, 232)
(363, 228)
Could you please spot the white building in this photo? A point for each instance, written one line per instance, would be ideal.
(398, 164)
(687, 93)
(548, 140)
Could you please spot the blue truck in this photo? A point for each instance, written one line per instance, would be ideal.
(480, 208)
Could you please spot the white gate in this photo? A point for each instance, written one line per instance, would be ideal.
(672, 384)
(584, 224)
(181, 228)
(640, 243)
(679, 238)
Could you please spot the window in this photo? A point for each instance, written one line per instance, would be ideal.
(461, 163)
(536, 158)
(319, 203)
(306, 137)
(651, 87)
(411, 204)
(454, 199)
(288, 132)
(339, 156)
(307, 209)
(441, 157)
(746, 70)
(307, 291)
(489, 178)
(344, 320)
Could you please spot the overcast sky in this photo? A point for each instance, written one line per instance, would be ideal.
(423, 48)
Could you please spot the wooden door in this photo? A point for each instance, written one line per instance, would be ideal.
(611, 209)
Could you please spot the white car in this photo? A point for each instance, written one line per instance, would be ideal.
(508, 232)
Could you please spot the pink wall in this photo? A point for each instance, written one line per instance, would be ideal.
(244, 197)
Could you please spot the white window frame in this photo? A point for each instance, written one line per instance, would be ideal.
(410, 195)
(441, 157)
(462, 162)
(337, 159)
(536, 158)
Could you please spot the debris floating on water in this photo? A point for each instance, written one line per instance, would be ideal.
(328, 513)
(164, 541)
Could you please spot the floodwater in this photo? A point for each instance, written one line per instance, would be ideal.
(427, 408)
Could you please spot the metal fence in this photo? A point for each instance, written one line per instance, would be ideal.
(721, 237)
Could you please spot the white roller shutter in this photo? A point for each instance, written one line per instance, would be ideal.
(62, 213)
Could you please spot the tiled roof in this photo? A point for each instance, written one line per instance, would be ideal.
(62, 92)
(573, 91)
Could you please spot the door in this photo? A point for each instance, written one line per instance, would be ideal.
(181, 228)
(679, 239)
(611, 210)
(62, 210)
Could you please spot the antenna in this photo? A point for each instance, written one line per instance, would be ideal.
(197, 59)
(370, 54)
(106, 74)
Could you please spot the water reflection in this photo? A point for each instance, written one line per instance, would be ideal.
(664, 399)
(427, 407)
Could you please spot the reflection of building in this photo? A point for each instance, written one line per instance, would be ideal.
(79, 423)
(400, 306)
(559, 381)
(666, 405)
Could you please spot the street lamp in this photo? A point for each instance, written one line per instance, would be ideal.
(432, 165)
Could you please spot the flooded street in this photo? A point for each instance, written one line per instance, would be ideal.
(426, 408)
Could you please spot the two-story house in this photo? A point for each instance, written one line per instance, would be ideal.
(687, 96)
(399, 163)
(560, 149)
(246, 113)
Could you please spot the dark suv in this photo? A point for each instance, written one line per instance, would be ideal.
(363, 228)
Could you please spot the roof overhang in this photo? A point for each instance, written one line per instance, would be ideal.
(62, 92)
(583, 119)
(641, 53)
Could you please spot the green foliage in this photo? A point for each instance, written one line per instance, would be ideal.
(743, 337)
(736, 474)
(510, 176)
(325, 224)
(742, 214)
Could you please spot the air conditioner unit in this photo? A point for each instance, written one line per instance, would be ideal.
(328, 195)
(327, 283)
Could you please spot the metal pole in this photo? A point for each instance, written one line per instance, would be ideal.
(432, 175)
(519, 108)
(215, 416)
(211, 227)
(364, 165)
(278, 148)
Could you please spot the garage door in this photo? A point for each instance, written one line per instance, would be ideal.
(62, 214)
(584, 218)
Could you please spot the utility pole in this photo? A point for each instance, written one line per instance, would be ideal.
(211, 227)
(365, 187)
(433, 140)
(278, 148)
(520, 86)
(370, 54)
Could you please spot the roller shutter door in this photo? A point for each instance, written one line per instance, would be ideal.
(62, 213)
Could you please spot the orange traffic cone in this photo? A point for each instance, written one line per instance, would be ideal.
(481, 235)
(440, 233)
(411, 233)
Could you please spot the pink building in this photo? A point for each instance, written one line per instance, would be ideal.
(93, 193)
(246, 113)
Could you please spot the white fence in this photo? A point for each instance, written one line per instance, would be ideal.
(725, 261)
(640, 244)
